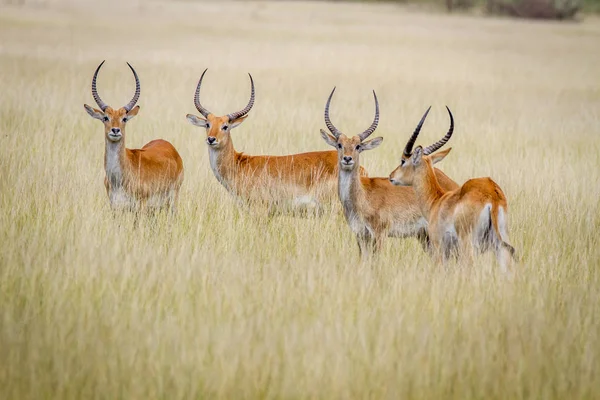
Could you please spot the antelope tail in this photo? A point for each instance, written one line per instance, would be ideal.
(498, 219)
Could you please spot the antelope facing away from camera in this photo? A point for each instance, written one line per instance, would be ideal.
(471, 217)
(305, 179)
(136, 179)
(373, 207)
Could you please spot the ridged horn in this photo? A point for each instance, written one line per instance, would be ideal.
(136, 96)
(246, 110)
(436, 146)
(334, 131)
(99, 101)
(413, 138)
(199, 107)
(373, 126)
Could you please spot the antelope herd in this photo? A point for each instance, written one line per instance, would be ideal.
(416, 200)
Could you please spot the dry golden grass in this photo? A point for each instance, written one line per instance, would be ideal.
(220, 303)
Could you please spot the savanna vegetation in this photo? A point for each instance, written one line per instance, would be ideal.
(220, 302)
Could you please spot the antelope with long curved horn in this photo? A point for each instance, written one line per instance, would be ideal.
(135, 178)
(373, 207)
(305, 180)
(471, 218)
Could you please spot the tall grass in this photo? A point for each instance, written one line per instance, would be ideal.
(224, 303)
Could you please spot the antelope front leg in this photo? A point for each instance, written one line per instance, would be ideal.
(378, 243)
(365, 243)
(423, 238)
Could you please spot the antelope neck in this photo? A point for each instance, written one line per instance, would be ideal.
(350, 190)
(427, 188)
(222, 161)
(114, 161)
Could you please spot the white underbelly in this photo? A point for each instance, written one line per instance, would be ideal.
(287, 195)
(408, 229)
(305, 201)
(158, 200)
(358, 226)
(120, 199)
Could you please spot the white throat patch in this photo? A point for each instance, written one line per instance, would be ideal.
(114, 173)
(345, 183)
(213, 157)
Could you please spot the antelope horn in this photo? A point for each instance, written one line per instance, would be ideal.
(99, 101)
(373, 126)
(413, 138)
(336, 133)
(136, 96)
(436, 146)
(246, 110)
(199, 107)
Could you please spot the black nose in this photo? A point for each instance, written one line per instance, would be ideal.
(347, 159)
(116, 130)
(211, 140)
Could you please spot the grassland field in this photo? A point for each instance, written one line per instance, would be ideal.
(223, 303)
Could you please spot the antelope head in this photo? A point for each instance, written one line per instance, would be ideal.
(414, 162)
(349, 148)
(218, 128)
(114, 120)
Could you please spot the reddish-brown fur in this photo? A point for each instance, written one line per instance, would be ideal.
(152, 168)
(373, 207)
(264, 177)
(150, 176)
(456, 215)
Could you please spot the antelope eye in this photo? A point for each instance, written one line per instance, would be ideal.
(124, 119)
(225, 127)
(402, 162)
(358, 147)
(105, 118)
(207, 125)
(339, 145)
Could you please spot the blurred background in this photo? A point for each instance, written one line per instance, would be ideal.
(536, 9)
(225, 303)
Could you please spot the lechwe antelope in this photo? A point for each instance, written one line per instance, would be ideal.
(149, 177)
(472, 217)
(306, 179)
(373, 207)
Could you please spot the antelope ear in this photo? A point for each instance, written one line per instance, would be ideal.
(133, 112)
(440, 155)
(236, 122)
(371, 144)
(417, 155)
(194, 120)
(94, 112)
(329, 139)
